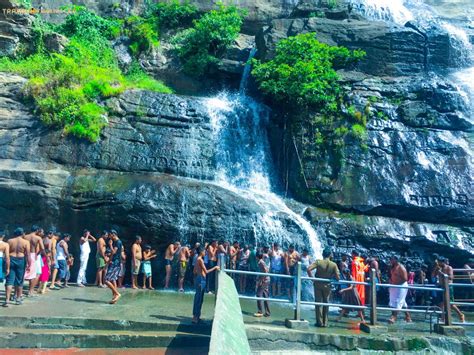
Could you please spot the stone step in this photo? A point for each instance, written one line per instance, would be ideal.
(8, 322)
(11, 337)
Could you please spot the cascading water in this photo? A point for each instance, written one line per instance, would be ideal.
(246, 73)
(243, 165)
(383, 10)
(452, 17)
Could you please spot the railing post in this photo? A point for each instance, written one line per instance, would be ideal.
(298, 292)
(446, 300)
(373, 297)
(221, 264)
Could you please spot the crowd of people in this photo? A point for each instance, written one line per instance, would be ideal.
(45, 261)
(356, 267)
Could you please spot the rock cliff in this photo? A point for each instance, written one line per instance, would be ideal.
(152, 171)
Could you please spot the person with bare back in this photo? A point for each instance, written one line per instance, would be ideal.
(4, 257)
(169, 256)
(19, 251)
(54, 241)
(291, 259)
(200, 272)
(137, 257)
(100, 259)
(184, 255)
(398, 276)
(446, 269)
(35, 238)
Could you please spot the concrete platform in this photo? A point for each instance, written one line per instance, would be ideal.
(271, 336)
(92, 302)
(82, 318)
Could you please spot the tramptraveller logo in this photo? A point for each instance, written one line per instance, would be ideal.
(36, 11)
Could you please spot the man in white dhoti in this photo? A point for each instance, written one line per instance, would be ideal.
(398, 276)
(85, 251)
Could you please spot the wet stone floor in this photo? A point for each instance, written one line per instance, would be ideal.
(173, 307)
(92, 302)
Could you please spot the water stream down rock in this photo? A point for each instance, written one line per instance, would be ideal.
(195, 168)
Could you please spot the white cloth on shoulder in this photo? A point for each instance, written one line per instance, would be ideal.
(397, 297)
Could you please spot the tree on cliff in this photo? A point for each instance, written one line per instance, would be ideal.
(303, 73)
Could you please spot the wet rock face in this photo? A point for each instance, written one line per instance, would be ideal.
(157, 206)
(391, 50)
(147, 132)
(136, 178)
(418, 161)
(382, 236)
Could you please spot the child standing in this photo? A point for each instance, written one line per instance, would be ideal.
(148, 254)
(45, 270)
(70, 263)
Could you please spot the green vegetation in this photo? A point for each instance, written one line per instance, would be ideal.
(318, 14)
(332, 3)
(26, 4)
(143, 33)
(84, 23)
(174, 14)
(302, 80)
(302, 75)
(67, 88)
(201, 47)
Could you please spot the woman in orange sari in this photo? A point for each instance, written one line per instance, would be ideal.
(358, 274)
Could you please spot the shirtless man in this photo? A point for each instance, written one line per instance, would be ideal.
(169, 255)
(35, 238)
(398, 276)
(4, 257)
(19, 251)
(374, 264)
(200, 272)
(448, 270)
(101, 259)
(54, 241)
(212, 256)
(343, 263)
(137, 256)
(184, 254)
(234, 252)
(291, 259)
(47, 240)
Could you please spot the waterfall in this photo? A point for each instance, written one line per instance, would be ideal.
(244, 166)
(443, 14)
(246, 73)
(384, 10)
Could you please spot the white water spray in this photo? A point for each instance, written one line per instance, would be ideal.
(243, 166)
(444, 15)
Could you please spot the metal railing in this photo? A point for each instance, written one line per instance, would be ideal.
(467, 275)
(372, 306)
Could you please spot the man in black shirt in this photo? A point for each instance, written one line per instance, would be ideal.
(113, 270)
